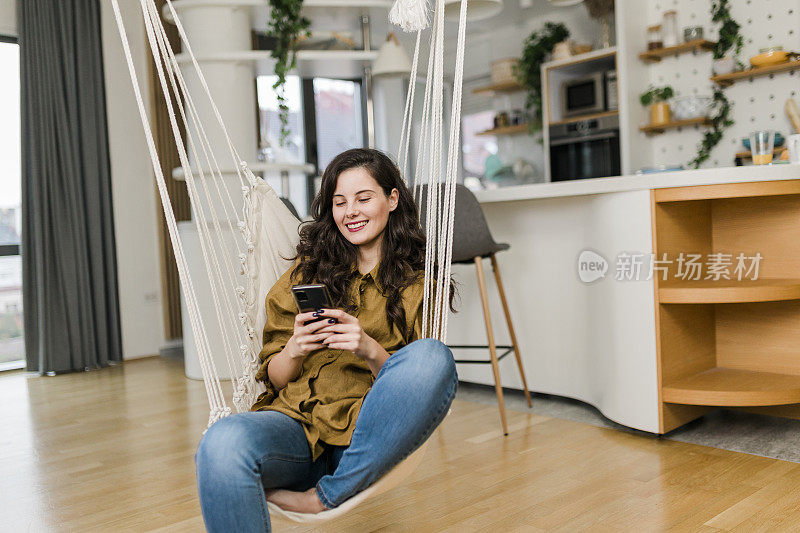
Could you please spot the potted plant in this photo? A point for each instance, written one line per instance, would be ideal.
(528, 71)
(657, 98)
(729, 39)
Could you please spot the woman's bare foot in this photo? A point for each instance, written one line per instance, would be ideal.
(299, 502)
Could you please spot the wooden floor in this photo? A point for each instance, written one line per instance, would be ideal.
(112, 450)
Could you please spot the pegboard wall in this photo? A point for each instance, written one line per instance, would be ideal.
(756, 103)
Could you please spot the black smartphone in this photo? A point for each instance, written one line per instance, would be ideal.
(311, 297)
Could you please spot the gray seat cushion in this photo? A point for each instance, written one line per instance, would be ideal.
(288, 203)
(471, 235)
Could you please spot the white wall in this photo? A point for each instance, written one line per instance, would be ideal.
(133, 187)
(8, 17)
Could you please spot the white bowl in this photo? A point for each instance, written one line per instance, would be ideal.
(688, 107)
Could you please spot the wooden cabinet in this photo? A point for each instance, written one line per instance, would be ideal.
(727, 342)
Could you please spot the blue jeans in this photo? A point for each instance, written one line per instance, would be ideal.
(242, 455)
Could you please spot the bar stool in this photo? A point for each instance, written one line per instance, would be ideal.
(472, 242)
(289, 205)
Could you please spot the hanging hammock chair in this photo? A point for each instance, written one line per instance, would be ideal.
(245, 230)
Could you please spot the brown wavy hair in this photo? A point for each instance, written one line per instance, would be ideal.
(328, 257)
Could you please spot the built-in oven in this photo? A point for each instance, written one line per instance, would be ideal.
(585, 149)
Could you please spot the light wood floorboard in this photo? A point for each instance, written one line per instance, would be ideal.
(112, 450)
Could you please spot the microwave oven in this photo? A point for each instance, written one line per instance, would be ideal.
(587, 95)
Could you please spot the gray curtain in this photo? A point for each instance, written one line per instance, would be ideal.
(71, 305)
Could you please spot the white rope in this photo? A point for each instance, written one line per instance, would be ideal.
(440, 200)
(210, 258)
(205, 353)
(202, 78)
(455, 138)
(438, 117)
(243, 359)
(423, 170)
(408, 114)
(213, 389)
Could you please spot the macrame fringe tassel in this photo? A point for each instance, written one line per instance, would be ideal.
(410, 15)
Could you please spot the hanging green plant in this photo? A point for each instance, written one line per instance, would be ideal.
(729, 36)
(529, 73)
(719, 123)
(729, 39)
(285, 26)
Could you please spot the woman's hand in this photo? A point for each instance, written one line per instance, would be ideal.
(348, 335)
(307, 338)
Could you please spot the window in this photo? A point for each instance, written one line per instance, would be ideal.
(12, 346)
(475, 149)
(270, 124)
(330, 108)
(337, 106)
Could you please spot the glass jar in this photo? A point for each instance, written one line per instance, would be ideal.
(654, 40)
(669, 28)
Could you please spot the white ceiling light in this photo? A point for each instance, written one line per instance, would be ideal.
(564, 3)
(476, 9)
(392, 60)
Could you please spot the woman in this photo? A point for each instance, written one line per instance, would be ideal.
(352, 394)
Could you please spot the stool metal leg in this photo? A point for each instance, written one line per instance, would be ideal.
(510, 327)
(498, 388)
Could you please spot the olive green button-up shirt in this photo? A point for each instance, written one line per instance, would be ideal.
(327, 395)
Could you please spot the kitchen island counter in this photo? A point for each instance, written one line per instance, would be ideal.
(598, 341)
(681, 178)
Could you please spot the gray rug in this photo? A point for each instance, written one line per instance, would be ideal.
(762, 435)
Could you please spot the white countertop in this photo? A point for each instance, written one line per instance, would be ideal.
(680, 178)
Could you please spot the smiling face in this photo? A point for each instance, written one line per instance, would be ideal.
(360, 207)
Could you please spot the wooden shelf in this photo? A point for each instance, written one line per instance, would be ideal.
(697, 45)
(594, 55)
(655, 129)
(728, 291)
(726, 190)
(585, 117)
(507, 130)
(505, 87)
(755, 72)
(733, 388)
(748, 155)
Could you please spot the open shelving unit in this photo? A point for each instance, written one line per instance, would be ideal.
(727, 342)
(726, 80)
(554, 73)
(694, 46)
